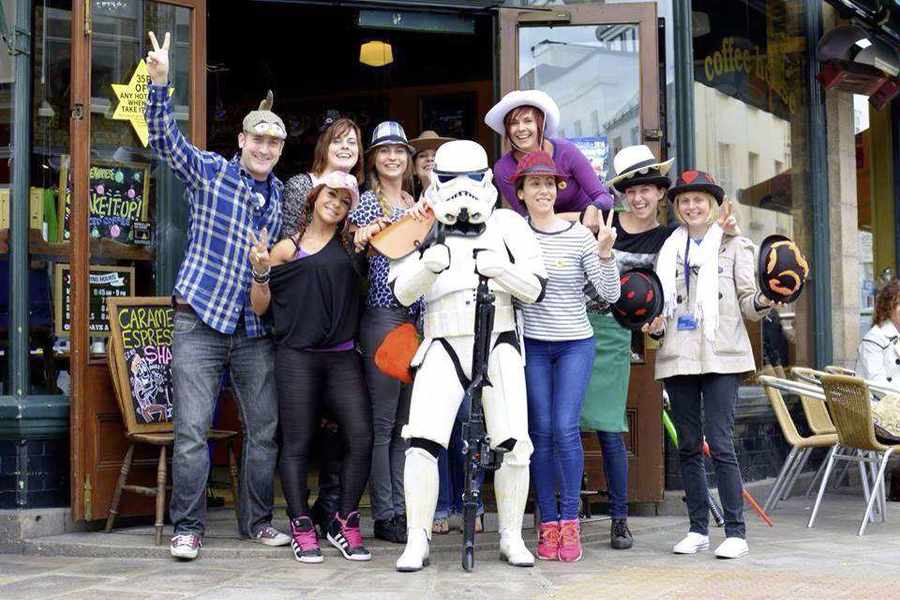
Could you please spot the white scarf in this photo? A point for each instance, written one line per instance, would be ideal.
(705, 256)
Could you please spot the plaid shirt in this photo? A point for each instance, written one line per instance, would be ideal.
(215, 275)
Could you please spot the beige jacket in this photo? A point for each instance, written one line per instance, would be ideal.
(688, 352)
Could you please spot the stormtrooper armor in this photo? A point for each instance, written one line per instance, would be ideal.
(446, 274)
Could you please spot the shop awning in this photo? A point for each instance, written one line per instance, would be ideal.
(881, 15)
(772, 194)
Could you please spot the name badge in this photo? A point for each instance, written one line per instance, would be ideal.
(687, 323)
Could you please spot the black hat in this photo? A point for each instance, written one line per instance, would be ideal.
(782, 271)
(697, 181)
(641, 300)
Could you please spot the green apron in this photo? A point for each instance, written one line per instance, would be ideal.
(603, 408)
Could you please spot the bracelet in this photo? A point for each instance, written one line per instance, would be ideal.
(261, 278)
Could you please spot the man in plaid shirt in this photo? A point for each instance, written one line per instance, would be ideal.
(215, 327)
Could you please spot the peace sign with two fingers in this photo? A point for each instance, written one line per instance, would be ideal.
(259, 251)
(606, 235)
(158, 60)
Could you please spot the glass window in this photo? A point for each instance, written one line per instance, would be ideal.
(750, 103)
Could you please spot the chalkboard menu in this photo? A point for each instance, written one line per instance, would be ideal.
(140, 359)
(118, 192)
(106, 282)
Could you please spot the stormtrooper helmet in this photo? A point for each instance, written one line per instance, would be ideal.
(461, 193)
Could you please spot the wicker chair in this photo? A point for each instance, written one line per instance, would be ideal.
(850, 405)
(836, 370)
(801, 447)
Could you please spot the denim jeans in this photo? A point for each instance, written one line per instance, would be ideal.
(451, 469)
(615, 467)
(556, 376)
(390, 412)
(716, 393)
(199, 357)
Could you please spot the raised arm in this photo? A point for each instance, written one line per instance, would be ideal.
(166, 139)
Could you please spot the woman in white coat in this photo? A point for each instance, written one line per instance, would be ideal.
(879, 360)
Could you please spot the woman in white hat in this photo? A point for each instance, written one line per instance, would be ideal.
(390, 167)
(528, 119)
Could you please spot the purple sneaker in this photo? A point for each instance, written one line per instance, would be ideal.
(344, 535)
(270, 536)
(185, 546)
(304, 541)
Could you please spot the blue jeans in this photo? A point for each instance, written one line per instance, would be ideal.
(199, 357)
(716, 394)
(615, 466)
(451, 468)
(556, 376)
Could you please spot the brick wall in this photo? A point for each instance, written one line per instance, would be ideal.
(34, 473)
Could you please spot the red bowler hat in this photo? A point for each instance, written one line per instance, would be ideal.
(536, 163)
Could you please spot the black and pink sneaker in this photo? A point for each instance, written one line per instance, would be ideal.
(304, 541)
(344, 535)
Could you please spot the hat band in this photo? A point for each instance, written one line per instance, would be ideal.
(641, 165)
(389, 139)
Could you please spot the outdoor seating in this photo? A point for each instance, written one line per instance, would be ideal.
(849, 402)
(801, 447)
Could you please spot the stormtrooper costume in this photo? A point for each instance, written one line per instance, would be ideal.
(462, 198)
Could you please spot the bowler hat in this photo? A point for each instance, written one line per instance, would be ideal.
(697, 181)
(537, 163)
(641, 299)
(782, 271)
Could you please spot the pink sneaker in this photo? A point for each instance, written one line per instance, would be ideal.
(304, 543)
(569, 541)
(548, 543)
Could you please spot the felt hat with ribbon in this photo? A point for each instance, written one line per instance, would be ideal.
(537, 163)
(697, 181)
(636, 165)
(428, 140)
(263, 121)
(387, 133)
(782, 270)
(641, 299)
(495, 118)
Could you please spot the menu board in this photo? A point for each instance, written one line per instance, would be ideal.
(106, 282)
(140, 359)
(118, 193)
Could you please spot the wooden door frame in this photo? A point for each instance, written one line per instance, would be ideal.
(80, 151)
(642, 14)
(648, 432)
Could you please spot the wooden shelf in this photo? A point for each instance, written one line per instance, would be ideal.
(100, 248)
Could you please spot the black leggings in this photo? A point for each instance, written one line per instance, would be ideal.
(307, 383)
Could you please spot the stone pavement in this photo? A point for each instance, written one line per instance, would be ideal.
(786, 561)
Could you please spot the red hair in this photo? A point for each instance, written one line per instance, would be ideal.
(521, 111)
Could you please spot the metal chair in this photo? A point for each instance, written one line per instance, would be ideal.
(850, 405)
(801, 447)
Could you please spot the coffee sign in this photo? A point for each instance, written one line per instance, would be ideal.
(105, 282)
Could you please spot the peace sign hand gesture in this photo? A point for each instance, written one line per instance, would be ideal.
(606, 235)
(259, 251)
(158, 60)
(726, 219)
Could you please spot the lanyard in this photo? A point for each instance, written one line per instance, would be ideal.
(687, 270)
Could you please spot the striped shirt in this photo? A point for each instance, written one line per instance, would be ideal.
(215, 275)
(572, 262)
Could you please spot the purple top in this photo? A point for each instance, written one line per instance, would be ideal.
(343, 346)
(583, 187)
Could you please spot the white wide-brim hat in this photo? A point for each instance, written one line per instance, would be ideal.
(540, 100)
(633, 161)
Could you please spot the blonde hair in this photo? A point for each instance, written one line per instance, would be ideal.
(713, 207)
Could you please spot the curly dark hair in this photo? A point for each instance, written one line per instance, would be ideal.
(886, 301)
(306, 217)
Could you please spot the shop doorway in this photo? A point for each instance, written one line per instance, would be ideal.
(438, 72)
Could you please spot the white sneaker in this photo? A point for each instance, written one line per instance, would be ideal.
(416, 554)
(692, 544)
(733, 547)
(185, 546)
(514, 551)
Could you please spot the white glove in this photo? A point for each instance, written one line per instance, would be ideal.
(490, 263)
(436, 258)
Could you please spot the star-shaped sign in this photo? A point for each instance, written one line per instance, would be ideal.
(133, 99)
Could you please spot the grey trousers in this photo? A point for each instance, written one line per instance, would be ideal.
(390, 412)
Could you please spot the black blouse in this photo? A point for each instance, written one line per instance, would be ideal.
(316, 300)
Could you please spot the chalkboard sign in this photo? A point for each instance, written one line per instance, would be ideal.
(140, 359)
(106, 282)
(118, 195)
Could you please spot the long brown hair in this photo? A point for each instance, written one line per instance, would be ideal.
(886, 301)
(375, 183)
(338, 129)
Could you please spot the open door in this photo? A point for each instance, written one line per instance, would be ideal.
(112, 165)
(601, 65)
